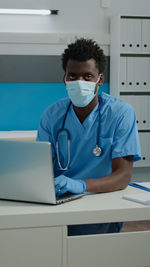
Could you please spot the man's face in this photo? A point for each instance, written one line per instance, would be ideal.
(83, 70)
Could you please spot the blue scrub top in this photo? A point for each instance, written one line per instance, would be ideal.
(118, 136)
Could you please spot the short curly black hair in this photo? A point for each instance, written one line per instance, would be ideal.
(83, 50)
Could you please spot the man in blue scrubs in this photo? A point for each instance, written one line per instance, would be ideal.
(96, 151)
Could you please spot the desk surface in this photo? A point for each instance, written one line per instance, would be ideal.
(18, 135)
(92, 208)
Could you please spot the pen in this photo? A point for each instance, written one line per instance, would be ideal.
(139, 186)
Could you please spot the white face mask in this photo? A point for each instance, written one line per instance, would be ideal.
(80, 92)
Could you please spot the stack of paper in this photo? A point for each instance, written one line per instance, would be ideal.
(144, 195)
(143, 198)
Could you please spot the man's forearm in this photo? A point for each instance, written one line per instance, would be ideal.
(112, 182)
(117, 180)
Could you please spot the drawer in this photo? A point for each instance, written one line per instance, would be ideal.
(114, 250)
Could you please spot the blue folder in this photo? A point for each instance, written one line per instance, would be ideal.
(140, 186)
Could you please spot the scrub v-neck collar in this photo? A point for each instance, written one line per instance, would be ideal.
(88, 122)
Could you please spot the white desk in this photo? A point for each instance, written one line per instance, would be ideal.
(18, 135)
(33, 235)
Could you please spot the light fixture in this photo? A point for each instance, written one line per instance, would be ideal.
(28, 12)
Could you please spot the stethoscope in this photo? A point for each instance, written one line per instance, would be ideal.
(97, 151)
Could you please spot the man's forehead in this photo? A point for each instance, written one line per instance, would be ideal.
(88, 65)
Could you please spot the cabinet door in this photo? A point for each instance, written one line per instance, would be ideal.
(36, 247)
(146, 35)
(130, 35)
(109, 250)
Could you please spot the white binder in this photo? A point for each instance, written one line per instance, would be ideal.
(145, 150)
(146, 35)
(123, 82)
(130, 35)
(138, 74)
(145, 73)
(141, 105)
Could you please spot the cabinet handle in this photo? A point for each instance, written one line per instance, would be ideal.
(123, 45)
(144, 121)
(144, 158)
(137, 121)
(145, 45)
(138, 45)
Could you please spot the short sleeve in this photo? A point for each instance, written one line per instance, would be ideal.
(126, 138)
(44, 132)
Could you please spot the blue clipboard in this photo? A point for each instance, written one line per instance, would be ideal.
(140, 187)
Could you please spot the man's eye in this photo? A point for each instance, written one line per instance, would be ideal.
(71, 77)
(88, 77)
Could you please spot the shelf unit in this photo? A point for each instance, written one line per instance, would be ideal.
(130, 72)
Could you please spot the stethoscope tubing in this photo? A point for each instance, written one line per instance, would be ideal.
(63, 129)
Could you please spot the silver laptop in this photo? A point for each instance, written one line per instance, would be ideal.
(26, 173)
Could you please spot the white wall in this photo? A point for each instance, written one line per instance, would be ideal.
(34, 34)
(78, 16)
(75, 15)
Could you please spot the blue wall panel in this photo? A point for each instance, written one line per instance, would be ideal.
(22, 104)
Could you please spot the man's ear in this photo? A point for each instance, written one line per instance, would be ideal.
(64, 79)
(101, 80)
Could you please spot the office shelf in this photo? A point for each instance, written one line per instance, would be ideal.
(129, 71)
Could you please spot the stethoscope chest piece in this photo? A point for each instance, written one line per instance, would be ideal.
(97, 151)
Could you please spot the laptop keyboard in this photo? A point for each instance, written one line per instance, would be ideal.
(68, 197)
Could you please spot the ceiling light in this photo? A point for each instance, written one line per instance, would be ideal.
(28, 12)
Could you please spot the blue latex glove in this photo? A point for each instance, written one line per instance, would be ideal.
(65, 184)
